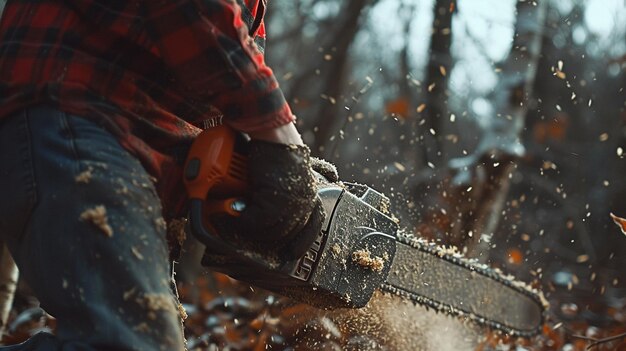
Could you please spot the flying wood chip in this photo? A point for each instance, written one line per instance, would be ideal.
(621, 222)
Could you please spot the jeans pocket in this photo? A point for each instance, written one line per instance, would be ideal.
(18, 193)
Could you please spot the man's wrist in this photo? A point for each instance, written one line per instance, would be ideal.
(285, 134)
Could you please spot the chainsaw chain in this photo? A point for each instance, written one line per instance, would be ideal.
(472, 266)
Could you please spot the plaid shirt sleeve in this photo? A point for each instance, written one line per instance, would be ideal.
(207, 46)
(149, 71)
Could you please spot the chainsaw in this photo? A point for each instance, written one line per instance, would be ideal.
(359, 249)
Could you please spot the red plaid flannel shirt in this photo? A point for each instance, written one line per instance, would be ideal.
(151, 72)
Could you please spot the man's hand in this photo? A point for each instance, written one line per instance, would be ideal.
(283, 211)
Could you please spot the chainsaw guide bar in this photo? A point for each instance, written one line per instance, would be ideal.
(447, 282)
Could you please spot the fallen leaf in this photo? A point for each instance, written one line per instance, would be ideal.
(398, 107)
(621, 222)
(515, 256)
(560, 74)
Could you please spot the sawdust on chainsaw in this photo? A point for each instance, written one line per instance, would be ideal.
(385, 205)
(453, 251)
(270, 260)
(364, 258)
(98, 217)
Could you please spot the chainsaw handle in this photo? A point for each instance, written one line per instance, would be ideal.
(213, 242)
(197, 226)
(216, 170)
(215, 176)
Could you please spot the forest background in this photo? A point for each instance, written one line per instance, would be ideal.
(496, 126)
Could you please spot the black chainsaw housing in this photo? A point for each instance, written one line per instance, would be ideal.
(329, 275)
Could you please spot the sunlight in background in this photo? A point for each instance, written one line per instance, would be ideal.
(483, 33)
(383, 19)
(600, 16)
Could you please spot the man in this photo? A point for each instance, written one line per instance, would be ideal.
(99, 100)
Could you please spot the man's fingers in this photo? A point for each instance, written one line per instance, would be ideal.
(325, 168)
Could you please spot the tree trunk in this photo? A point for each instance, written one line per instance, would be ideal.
(334, 70)
(513, 94)
(501, 143)
(439, 66)
(8, 283)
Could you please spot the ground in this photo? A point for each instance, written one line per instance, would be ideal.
(225, 314)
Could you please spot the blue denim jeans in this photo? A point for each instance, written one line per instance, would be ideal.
(83, 222)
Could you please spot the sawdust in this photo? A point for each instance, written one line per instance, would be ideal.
(98, 217)
(364, 258)
(160, 224)
(391, 323)
(157, 302)
(136, 252)
(270, 261)
(385, 205)
(128, 294)
(175, 229)
(181, 311)
(122, 191)
(142, 327)
(84, 176)
(336, 250)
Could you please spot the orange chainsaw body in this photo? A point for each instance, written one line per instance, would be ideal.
(215, 170)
